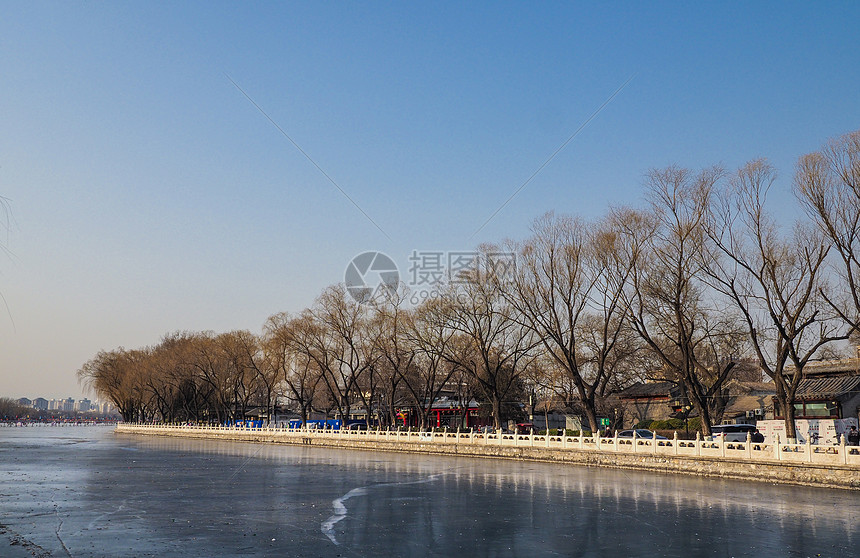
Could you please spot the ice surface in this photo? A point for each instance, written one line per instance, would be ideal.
(88, 492)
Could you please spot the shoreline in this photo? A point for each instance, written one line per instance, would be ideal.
(835, 467)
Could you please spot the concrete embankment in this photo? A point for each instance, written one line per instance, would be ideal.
(844, 476)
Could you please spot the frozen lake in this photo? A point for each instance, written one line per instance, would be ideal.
(87, 492)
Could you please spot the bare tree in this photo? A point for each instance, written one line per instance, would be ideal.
(428, 335)
(827, 182)
(257, 378)
(395, 351)
(334, 337)
(160, 383)
(775, 281)
(11, 409)
(183, 397)
(492, 345)
(670, 307)
(215, 373)
(286, 356)
(117, 375)
(568, 289)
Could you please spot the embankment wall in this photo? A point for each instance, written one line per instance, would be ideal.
(843, 476)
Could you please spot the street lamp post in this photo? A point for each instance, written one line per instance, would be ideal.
(687, 409)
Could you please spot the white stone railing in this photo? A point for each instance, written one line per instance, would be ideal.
(748, 450)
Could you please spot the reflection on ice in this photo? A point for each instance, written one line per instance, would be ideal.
(640, 493)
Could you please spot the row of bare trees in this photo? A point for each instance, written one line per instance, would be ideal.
(681, 290)
(329, 358)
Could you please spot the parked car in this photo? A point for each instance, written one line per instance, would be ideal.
(640, 433)
(357, 426)
(732, 432)
(525, 427)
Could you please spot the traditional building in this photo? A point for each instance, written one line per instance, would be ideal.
(829, 389)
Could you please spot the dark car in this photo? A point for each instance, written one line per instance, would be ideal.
(641, 433)
(525, 427)
(357, 426)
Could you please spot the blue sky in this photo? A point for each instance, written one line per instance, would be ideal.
(149, 195)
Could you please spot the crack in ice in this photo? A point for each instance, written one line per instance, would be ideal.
(60, 526)
(339, 504)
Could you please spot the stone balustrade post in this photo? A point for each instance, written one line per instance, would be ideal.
(777, 448)
(843, 449)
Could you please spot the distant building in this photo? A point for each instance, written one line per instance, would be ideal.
(84, 405)
(748, 402)
(445, 411)
(649, 401)
(555, 413)
(24, 402)
(68, 404)
(40, 403)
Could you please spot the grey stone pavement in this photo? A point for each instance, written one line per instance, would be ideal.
(88, 492)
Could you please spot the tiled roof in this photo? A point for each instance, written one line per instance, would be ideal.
(815, 387)
(650, 389)
(736, 387)
(850, 365)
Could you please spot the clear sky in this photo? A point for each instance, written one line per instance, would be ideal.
(149, 195)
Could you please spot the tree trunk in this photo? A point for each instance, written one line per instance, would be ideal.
(303, 411)
(497, 412)
(392, 412)
(704, 413)
(788, 413)
(591, 414)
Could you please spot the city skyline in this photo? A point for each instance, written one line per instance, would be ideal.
(66, 404)
(204, 166)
